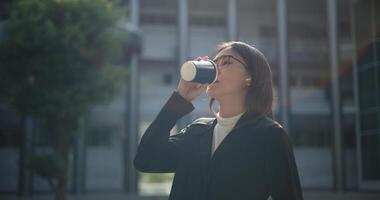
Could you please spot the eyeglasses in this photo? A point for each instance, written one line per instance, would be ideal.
(226, 60)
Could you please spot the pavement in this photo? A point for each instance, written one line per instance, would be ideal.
(110, 196)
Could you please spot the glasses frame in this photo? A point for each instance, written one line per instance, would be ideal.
(230, 56)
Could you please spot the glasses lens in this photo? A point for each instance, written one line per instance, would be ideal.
(223, 61)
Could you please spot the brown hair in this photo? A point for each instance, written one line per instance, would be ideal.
(259, 96)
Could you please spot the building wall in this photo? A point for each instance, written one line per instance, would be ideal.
(310, 124)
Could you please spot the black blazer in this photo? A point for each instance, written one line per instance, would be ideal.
(253, 162)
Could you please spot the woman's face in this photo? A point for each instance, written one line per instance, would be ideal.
(231, 75)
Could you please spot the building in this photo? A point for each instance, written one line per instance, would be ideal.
(325, 58)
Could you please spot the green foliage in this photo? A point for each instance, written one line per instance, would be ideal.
(57, 59)
(58, 56)
(4, 4)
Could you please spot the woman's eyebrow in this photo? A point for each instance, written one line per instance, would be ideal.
(225, 55)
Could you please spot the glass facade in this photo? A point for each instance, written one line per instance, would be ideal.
(367, 35)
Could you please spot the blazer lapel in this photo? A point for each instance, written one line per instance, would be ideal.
(242, 122)
(206, 141)
(205, 145)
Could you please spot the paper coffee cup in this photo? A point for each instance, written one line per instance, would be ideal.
(199, 71)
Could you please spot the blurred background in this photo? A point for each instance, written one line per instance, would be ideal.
(81, 80)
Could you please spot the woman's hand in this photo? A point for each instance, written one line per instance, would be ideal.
(190, 90)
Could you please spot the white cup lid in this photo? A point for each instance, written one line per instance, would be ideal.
(188, 71)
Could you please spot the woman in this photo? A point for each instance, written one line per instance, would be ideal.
(242, 153)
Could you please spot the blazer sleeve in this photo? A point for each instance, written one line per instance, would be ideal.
(158, 152)
(285, 179)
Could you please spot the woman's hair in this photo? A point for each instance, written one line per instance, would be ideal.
(259, 96)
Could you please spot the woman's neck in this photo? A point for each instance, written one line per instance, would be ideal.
(230, 107)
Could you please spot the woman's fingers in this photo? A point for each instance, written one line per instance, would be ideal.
(199, 58)
(201, 86)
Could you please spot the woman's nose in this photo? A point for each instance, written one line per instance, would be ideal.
(218, 70)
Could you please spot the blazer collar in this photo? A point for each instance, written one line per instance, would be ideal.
(206, 142)
(247, 119)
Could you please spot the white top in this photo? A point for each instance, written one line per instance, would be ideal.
(222, 128)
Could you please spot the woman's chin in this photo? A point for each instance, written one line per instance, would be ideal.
(211, 92)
